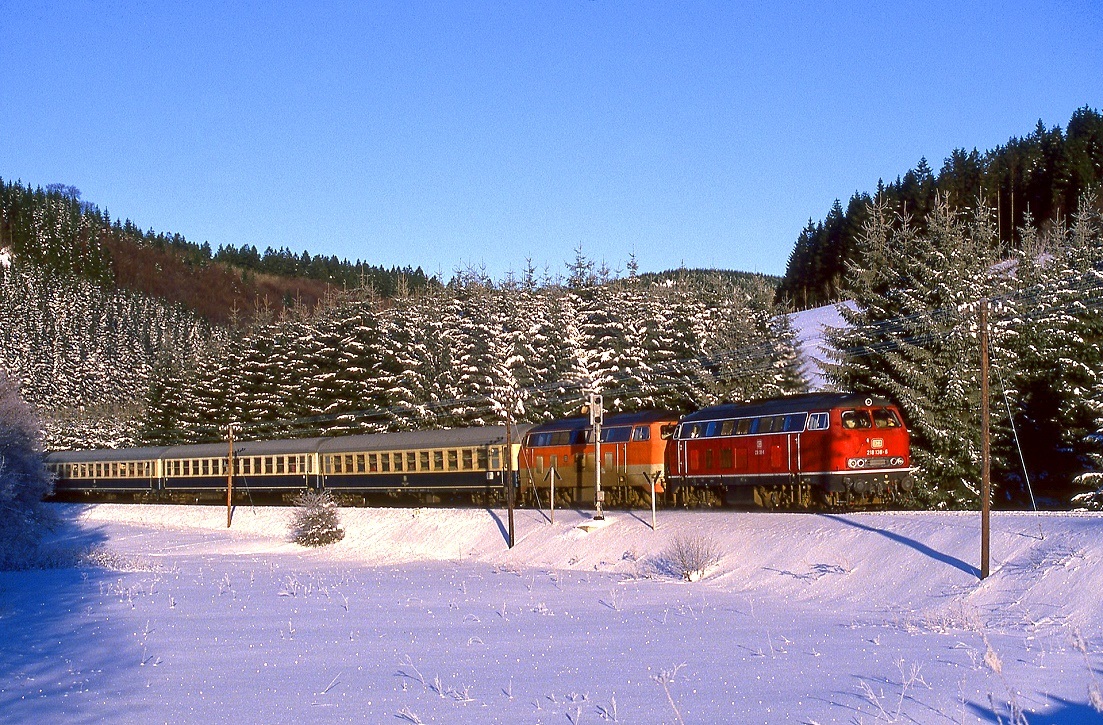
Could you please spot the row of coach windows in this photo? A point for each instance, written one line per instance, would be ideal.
(791, 423)
(120, 469)
(460, 459)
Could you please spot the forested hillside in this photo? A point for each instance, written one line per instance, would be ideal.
(1030, 182)
(466, 353)
(55, 230)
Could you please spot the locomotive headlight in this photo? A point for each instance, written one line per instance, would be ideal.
(898, 461)
(855, 463)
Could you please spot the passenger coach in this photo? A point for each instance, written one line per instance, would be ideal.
(463, 464)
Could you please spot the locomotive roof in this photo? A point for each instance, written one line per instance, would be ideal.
(446, 438)
(611, 419)
(789, 404)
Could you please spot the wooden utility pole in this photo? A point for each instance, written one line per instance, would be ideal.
(985, 458)
(230, 476)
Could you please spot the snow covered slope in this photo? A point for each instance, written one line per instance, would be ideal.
(424, 615)
(809, 327)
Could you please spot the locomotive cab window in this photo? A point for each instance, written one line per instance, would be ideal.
(856, 419)
(885, 418)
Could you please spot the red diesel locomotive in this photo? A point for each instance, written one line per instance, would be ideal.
(820, 449)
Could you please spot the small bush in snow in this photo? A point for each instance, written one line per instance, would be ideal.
(691, 555)
(24, 481)
(316, 521)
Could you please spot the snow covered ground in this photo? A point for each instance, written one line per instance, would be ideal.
(423, 615)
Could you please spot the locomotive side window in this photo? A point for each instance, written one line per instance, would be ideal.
(856, 419)
(727, 429)
(743, 426)
(819, 421)
(711, 429)
(795, 422)
(885, 418)
(641, 433)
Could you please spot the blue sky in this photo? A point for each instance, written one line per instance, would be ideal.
(447, 135)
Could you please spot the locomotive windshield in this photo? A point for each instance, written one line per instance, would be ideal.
(856, 419)
(885, 418)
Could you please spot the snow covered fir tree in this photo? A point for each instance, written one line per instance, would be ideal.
(913, 334)
(24, 480)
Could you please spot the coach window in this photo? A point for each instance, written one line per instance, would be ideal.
(481, 459)
(438, 460)
(246, 468)
(385, 462)
(496, 458)
(411, 461)
(423, 460)
(398, 461)
(885, 418)
(453, 460)
(467, 459)
(280, 464)
(373, 463)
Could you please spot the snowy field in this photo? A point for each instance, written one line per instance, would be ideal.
(424, 616)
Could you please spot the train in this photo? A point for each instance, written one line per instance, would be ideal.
(794, 452)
